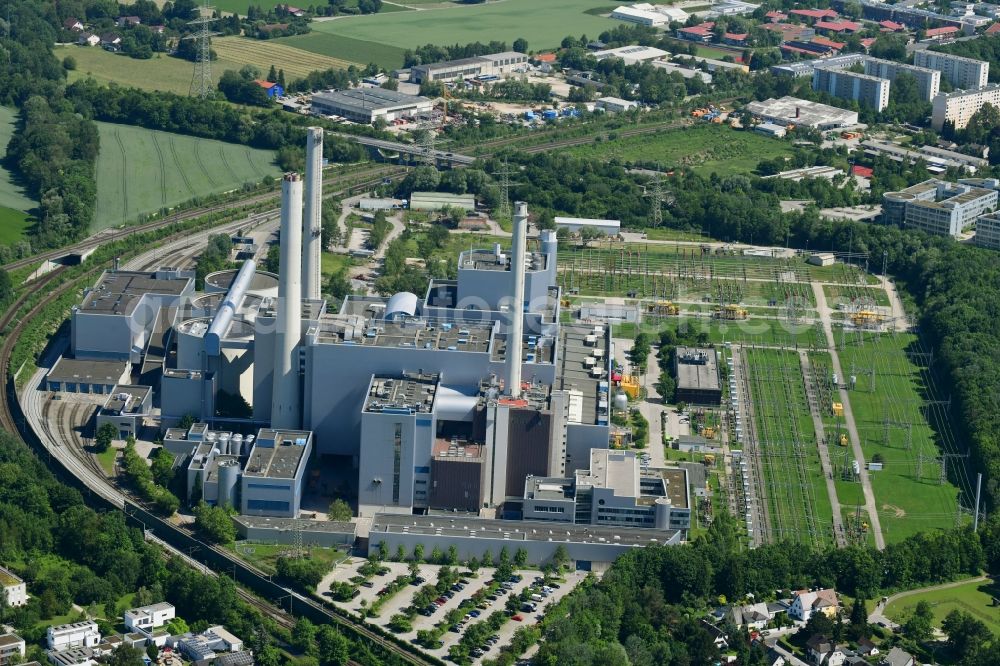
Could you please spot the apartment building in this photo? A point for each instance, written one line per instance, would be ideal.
(76, 634)
(958, 107)
(938, 207)
(863, 88)
(988, 231)
(963, 73)
(928, 80)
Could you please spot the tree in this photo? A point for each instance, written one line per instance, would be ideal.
(859, 620)
(214, 523)
(125, 655)
(920, 625)
(106, 434)
(418, 552)
(6, 286)
(272, 75)
(520, 45)
(561, 556)
(69, 63)
(304, 636)
(966, 634)
(178, 626)
(340, 511)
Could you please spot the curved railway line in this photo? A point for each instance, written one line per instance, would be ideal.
(58, 418)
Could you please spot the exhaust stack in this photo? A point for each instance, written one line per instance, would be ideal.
(516, 328)
(312, 246)
(285, 397)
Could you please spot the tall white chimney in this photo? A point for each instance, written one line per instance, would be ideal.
(285, 397)
(312, 248)
(516, 328)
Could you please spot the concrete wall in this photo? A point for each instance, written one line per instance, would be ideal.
(377, 461)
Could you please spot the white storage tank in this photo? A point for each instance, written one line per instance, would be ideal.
(229, 480)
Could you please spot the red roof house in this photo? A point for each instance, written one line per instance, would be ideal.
(545, 57)
(838, 26)
(993, 29)
(814, 14)
(892, 26)
(697, 33)
(776, 16)
(941, 33)
(864, 172)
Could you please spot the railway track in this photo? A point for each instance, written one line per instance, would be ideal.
(370, 176)
(58, 418)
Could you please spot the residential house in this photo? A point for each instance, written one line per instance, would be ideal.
(77, 656)
(272, 89)
(813, 15)
(11, 649)
(158, 29)
(898, 657)
(892, 26)
(73, 25)
(823, 651)
(775, 16)
(111, 42)
(807, 602)
(838, 27)
(735, 38)
(128, 21)
(76, 634)
(149, 617)
(88, 39)
(773, 658)
(207, 644)
(751, 616)
(697, 33)
(866, 648)
(295, 11)
(15, 591)
(946, 32)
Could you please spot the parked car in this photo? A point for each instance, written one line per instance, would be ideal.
(517, 618)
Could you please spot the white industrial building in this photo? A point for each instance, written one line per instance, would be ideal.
(802, 113)
(958, 107)
(366, 105)
(575, 224)
(649, 15)
(493, 65)
(15, 591)
(988, 231)
(962, 73)
(74, 635)
(632, 55)
(615, 104)
(126, 408)
(940, 207)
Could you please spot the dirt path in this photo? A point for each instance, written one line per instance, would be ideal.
(852, 430)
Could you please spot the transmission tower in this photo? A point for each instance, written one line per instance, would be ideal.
(201, 81)
(504, 174)
(426, 139)
(658, 197)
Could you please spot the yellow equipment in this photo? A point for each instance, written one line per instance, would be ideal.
(731, 312)
(708, 433)
(843, 440)
(618, 440)
(866, 318)
(709, 459)
(864, 526)
(630, 384)
(662, 308)
(566, 302)
(837, 408)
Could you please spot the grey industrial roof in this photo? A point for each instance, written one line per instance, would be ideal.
(486, 260)
(423, 334)
(130, 404)
(292, 524)
(368, 99)
(80, 370)
(520, 530)
(224, 279)
(548, 488)
(704, 376)
(118, 292)
(572, 374)
(10, 639)
(407, 394)
(280, 461)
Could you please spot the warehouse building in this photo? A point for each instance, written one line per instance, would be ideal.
(697, 373)
(575, 224)
(802, 113)
(587, 546)
(86, 376)
(988, 231)
(615, 104)
(632, 55)
(938, 207)
(650, 15)
(958, 107)
(366, 105)
(438, 201)
(494, 65)
(862, 88)
(962, 73)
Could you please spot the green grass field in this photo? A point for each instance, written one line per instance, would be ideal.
(14, 203)
(264, 53)
(265, 555)
(384, 37)
(794, 489)
(142, 171)
(972, 598)
(907, 503)
(703, 148)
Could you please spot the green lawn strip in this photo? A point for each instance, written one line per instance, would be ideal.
(14, 225)
(265, 556)
(107, 460)
(974, 598)
(855, 296)
(348, 48)
(906, 504)
(705, 149)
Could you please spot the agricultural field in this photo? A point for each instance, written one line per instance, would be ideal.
(14, 202)
(975, 598)
(383, 37)
(793, 485)
(894, 423)
(142, 171)
(704, 148)
(297, 63)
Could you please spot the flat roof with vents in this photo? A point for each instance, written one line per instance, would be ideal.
(86, 371)
(119, 292)
(408, 394)
(278, 454)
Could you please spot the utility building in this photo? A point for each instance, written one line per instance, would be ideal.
(366, 105)
(275, 473)
(697, 373)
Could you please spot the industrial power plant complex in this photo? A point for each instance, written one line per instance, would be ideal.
(470, 404)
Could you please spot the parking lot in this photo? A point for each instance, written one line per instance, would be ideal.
(476, 593)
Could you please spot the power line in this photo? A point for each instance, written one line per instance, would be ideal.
(201, 81)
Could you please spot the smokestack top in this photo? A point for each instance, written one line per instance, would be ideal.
(292, 177)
